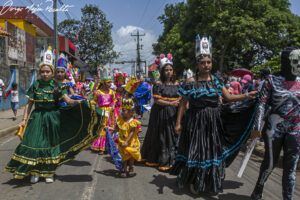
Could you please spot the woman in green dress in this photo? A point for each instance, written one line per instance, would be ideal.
(54, 135)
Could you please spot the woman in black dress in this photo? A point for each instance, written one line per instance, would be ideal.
(202, 150)
(159, 145)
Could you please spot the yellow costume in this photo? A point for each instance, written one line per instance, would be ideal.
(133, 148)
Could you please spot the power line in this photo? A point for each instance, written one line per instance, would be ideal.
(153, 18)
(45, 17)
(144, 12)
(66, 12)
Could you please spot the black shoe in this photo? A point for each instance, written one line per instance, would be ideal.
(257, 193)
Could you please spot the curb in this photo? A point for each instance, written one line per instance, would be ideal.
(8, 131)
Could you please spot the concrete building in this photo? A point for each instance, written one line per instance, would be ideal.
(22, 37)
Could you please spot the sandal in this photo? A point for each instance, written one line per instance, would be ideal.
(123, 175)
(131, 173)
(101, 153)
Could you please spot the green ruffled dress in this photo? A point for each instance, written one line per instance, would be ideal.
(54, 135)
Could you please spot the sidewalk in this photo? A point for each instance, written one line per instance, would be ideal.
(7, 125)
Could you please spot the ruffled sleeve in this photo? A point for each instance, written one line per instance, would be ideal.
(134, 123)
(63, 89)
(95, 100)
(218, 82)
(157, 90)
(186, 89)
(30, 92)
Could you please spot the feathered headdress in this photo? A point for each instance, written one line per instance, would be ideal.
(203, 47)
(47, 58)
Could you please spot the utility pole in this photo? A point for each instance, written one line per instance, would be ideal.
(55, 30)
(138, 47)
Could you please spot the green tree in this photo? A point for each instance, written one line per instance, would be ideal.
(274, 65)
(245, 33)
(94, 42)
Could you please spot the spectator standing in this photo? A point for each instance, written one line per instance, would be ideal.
(247, 85)
(236, 86)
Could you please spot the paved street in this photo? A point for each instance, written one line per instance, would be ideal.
(92, 177)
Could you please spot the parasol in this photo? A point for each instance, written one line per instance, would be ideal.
(240, 72)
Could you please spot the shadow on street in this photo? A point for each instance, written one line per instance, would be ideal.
(78, 163)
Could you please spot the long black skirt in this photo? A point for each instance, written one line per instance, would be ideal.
(159, 144)
(210, 140)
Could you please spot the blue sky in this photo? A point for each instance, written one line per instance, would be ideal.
(126, 16)
(139, 13)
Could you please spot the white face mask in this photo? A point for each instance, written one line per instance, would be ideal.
(295, 61)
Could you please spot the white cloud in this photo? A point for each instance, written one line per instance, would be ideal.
(126, 45)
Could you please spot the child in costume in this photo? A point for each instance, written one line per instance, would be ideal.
(105, 99)
(120, 83)
(129, 144)
(53, 134)
(130, 87)
(79, 88)
(60, 77)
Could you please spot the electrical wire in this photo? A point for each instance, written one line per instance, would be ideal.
(144, 12)
(66, 12)
(45, 17)
(154, 17)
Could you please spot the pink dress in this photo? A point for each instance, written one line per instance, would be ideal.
(105, 101)
(237, 89)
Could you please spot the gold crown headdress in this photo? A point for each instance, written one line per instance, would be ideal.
(127, 104)
(132, 85)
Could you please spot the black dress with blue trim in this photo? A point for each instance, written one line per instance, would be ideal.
(207, 145)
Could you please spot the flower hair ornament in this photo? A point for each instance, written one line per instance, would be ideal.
(163, 60)
(120, 78)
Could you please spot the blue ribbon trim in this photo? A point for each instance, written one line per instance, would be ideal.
(225, 154)
(208, 92)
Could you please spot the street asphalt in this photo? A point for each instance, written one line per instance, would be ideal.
(94, 177)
